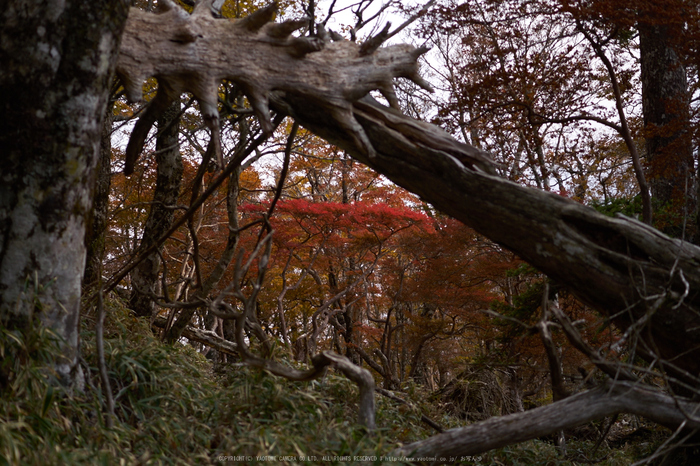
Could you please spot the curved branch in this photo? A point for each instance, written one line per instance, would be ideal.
(625, 130)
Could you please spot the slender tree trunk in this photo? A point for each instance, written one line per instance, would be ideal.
(57, 60)
(144, 278)
(183, 320)
(98, 221)
(624, 129)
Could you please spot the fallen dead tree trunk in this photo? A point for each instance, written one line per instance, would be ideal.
(620, 266)
(205, 337)
(612, 398)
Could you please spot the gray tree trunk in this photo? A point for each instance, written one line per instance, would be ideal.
(56, 65)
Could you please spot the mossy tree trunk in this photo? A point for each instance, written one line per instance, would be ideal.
(57, 61)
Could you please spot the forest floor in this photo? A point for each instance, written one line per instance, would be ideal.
(173, 406)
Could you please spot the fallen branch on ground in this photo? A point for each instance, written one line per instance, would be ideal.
(609, 399)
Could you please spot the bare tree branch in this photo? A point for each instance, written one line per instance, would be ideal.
(559, 392)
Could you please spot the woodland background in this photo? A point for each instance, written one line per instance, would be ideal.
(593, 101)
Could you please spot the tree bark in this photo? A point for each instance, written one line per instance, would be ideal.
(144, 278)
(98, 220)
(57, 64)
(573, 411)
(666, 110)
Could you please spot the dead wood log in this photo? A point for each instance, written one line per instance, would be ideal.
(205, 337)
(575, 410)
(194, 53)
(645, 281)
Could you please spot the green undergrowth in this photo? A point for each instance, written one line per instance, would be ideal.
(171, 407)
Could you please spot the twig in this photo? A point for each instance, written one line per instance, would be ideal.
(104, 377)
(558, 389)
(423, 417)
(613, 369)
